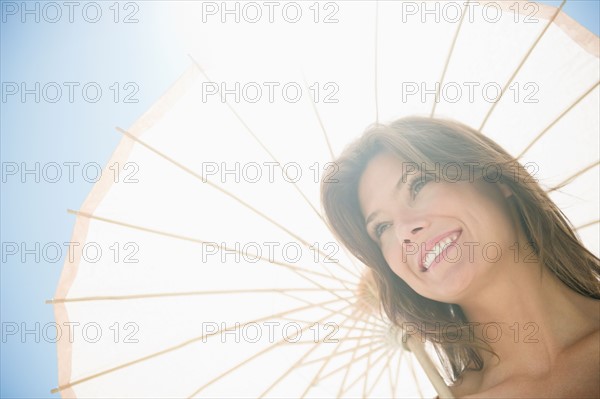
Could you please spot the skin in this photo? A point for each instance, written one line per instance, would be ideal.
(546, 335)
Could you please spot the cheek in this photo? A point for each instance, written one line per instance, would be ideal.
(471, 202)
(493, 216)
(402, 270)
(441, 199)
(395, 259)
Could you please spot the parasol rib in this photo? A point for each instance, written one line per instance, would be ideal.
(232, 196)
(583, 226)
(320, 120)
(448, 58)
(394, 381)
(562, 114)
(298, 362)
(296, 269)
(574, 176)
(181, 345)
(327, 141)
(349, 363)
(516, 71)
(349, 330)
(365, 374)
(262, 352)
(332, 355)
(179, 294)
(372, 324)
(320, 359)
(363, 337)
(264, 147)
(381, 372)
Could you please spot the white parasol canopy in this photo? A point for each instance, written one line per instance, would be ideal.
(218, 276)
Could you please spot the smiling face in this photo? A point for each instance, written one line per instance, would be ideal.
(442, 238)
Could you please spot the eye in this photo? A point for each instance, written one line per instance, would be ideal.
(380, 228)
(418, 183)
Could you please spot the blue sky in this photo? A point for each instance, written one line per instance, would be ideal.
(141, 63)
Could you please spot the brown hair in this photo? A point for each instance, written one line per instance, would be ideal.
(428, 142)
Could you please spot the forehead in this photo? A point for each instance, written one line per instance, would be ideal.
(379, 180)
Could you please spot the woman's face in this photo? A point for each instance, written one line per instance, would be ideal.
(445, 239)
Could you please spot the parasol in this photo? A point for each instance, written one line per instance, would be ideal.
(201, 265)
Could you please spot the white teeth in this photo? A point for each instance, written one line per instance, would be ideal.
(428, 259)
(439, 247)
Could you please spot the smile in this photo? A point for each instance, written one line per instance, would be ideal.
(436, 247)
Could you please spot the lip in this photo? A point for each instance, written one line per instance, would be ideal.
(429, 245)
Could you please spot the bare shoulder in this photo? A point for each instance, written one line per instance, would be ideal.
(576, 374)
(582, 359)
(589, 342)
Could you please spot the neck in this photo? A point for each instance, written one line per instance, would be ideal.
(528, 316)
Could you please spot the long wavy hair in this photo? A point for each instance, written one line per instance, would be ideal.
(429, 142)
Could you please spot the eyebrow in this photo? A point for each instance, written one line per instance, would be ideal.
(398, 186)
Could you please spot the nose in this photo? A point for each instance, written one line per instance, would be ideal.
(408, 231)
(414, 231)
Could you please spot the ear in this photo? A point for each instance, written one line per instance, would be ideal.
(505, 190)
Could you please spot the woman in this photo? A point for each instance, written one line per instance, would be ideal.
(469, 253)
